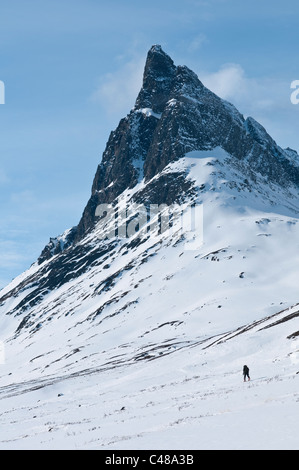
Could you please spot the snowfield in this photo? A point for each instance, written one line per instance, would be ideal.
(193, 398)
(147, 350)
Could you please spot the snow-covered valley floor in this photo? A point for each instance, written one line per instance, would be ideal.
(192, 398)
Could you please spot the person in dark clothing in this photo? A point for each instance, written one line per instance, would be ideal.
(246, 373)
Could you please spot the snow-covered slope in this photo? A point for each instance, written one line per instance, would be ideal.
(139, 342)
(166, 338)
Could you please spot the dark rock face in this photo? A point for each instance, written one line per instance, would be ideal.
(69, 265)
(121, 166)
(57, 245)
(174, 114)
(159, 73)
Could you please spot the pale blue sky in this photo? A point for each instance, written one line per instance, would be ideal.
(73, 68)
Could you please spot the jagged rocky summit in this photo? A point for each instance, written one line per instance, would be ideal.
(174, 114)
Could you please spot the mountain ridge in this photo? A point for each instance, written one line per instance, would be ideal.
(174, 114)
(183, 267)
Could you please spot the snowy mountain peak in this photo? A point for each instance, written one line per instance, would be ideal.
(183, 267)
(175, 114)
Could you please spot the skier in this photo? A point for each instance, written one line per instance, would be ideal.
(246, 373)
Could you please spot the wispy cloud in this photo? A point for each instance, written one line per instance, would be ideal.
(231, 83)
(117, 91)
(197, 42)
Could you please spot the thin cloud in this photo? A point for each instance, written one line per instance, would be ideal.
(197, 42)
(230, 82)
(117, 91)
